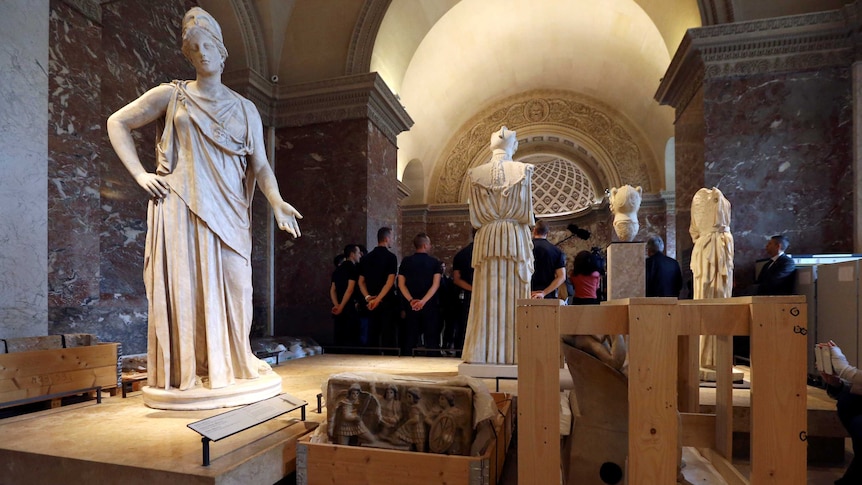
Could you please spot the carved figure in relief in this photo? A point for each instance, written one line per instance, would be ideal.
(712, 255)
(625, 202)
(197, 261)
(501, 209)
(390, 411)
(413, 432)
(446, 426)
(347, 426)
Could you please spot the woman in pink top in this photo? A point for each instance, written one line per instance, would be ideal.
(585, 279)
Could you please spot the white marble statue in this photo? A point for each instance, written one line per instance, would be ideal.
(625, 202)
(712, 256)
(197, 259)
(501, 208)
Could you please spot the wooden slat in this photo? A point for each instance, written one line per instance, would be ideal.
(698, 430)
(725, 468)
(653, 421)
(724, 396)
(40, 362)
(688, 373)
(538, 330)
(58, 382)
(594, 320)
(714, 317)
(778, 394)
(25, 375)
(349, 465)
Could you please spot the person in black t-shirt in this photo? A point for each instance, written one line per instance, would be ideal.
(376, 279)
(419, 280)
(550, 264)
(341, 293)
(462, 276)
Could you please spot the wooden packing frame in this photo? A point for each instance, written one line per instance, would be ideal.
(663, 334)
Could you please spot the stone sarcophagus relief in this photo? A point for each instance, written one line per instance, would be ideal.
(399, 414)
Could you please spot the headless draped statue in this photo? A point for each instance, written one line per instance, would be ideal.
(712, 256)
(501, 209)
(197, 259)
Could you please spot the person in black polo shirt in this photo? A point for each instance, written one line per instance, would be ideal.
(341, 291)
(376, 278)
(550, 264)
(419, 280)
(462, 276)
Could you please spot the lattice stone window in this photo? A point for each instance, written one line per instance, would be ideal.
(559, 186)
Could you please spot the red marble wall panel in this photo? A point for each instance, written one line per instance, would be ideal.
(341, 177)
(97, 213)
(74, 138)
(780, 149)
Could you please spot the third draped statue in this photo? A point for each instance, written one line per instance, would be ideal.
(501, 209)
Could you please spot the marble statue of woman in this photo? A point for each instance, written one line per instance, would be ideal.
(501, 209)
(712, 256)
(625, 202)
(197, 258)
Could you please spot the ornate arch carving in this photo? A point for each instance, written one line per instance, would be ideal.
(364, 35)
(252, 36)
(619, 148)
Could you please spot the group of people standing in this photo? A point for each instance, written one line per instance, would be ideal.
(379, 304)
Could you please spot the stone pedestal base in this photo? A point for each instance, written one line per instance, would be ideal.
(245, 391)
(626, 270)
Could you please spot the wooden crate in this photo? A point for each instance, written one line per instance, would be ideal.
(28, 375)
(324, 463)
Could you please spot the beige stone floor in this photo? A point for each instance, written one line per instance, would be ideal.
(123, 430)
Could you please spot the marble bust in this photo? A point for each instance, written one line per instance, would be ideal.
(625, 202)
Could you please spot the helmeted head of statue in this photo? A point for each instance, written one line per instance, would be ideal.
(504, 139)
(199, 20)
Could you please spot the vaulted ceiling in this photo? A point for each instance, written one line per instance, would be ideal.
(462, 65)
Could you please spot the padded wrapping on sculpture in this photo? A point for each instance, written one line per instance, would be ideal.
(599, 405)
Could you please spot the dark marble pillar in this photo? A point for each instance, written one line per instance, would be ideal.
(337, 165)
(764, 113)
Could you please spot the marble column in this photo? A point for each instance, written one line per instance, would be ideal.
(335, 160)
(772, 100)
(857, 156)
(24, 156)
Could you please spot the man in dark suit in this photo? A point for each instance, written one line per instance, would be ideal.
(663, 276)
(777, 277)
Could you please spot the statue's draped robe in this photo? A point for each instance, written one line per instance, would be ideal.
(197, 266)
(501, 208)
(712, 256)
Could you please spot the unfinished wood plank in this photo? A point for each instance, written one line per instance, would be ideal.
(724, 467)
(698, 430)
(538, 330)
(41, 362)
(688, 373)
(724, 396)
(778, 394)
(58, 382)
(714, 317)
(653, 421)
(594, 320)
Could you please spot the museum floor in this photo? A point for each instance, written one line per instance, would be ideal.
(92, 443)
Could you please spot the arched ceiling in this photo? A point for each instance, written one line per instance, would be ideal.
(480, 52)
(450, 59)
